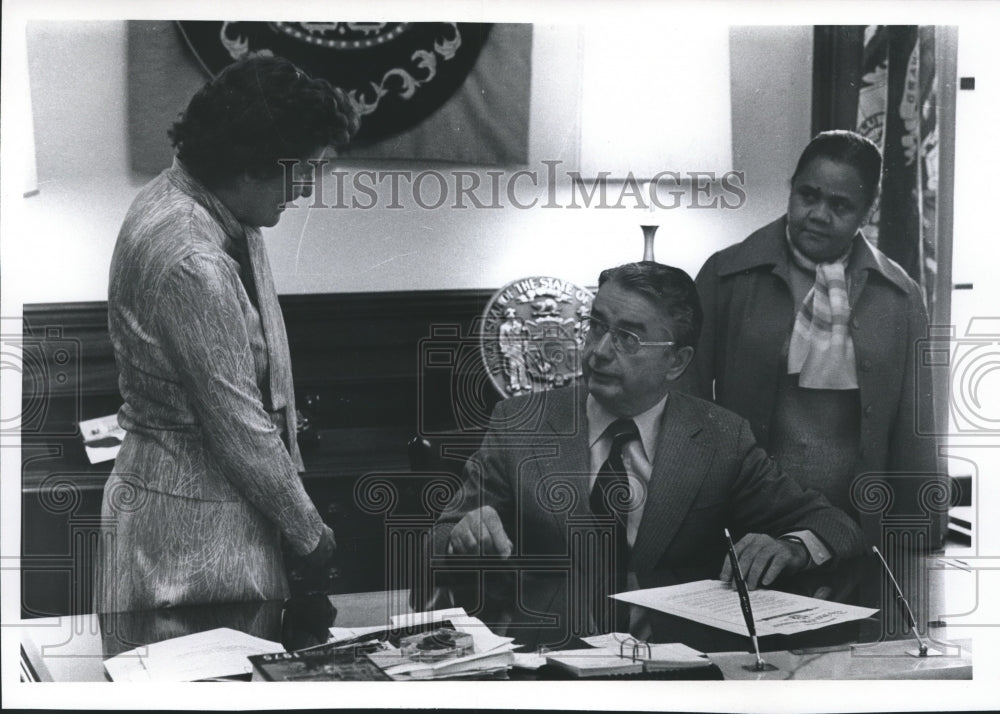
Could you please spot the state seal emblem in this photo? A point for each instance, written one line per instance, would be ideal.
(532, 335)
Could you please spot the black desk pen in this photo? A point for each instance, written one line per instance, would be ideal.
(741, 586)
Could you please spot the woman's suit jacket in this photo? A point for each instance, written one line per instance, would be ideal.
(206, 483)
(534, 469)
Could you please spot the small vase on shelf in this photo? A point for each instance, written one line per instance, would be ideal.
(648, 235)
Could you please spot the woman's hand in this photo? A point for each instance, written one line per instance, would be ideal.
(313, 573)
(322, 554)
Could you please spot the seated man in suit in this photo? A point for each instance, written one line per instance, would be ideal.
(625, 483)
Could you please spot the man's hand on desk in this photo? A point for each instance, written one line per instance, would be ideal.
(480, 532)
(763, 558)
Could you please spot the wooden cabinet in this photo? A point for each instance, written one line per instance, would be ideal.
(359, 479)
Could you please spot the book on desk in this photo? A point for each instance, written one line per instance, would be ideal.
(348, 664)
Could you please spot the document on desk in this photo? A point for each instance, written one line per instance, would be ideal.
(216, 653)
(715, 603)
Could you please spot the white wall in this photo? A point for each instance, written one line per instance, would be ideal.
(67, 231)
(975, 383)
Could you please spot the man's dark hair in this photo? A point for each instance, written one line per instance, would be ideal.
(256, 111)
(846, 147)
(670, 288)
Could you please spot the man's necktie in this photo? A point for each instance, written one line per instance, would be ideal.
(609, 502)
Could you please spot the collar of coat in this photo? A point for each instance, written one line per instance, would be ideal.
(179, 175)
(766, 247)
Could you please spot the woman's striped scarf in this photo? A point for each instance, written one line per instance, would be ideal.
(821, 350)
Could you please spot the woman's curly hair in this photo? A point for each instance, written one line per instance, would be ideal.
(256, 111)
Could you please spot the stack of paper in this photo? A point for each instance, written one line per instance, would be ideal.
(205, 655)
(490, 654)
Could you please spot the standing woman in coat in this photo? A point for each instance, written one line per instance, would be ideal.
(205, 494)
(811, 334)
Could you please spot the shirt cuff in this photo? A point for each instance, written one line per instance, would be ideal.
(818, 552)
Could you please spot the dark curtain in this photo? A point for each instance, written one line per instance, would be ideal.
(880, 81)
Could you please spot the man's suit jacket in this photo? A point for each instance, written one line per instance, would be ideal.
(708, 474)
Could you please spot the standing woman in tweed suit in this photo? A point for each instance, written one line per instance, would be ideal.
(206, 493)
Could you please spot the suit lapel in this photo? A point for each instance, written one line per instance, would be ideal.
(682, 458)
(282, 395)
(570, 466)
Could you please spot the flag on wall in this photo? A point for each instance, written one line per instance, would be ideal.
(897, 110)
(443, 91)
(881, 82)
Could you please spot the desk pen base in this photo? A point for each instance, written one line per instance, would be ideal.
(929, 653)
(760, 667)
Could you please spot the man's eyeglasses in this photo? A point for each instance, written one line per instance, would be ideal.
(622, 340)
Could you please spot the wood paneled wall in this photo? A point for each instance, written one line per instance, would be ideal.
(363, 355)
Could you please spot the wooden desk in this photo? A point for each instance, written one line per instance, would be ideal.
(61, 512)
(73, 648)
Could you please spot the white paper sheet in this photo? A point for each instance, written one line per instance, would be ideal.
(528, 660)
(715, 603)
(216, 653)
(610, 639)
(94, 430)
(412, 619)
(483, 638)
(339, 634)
